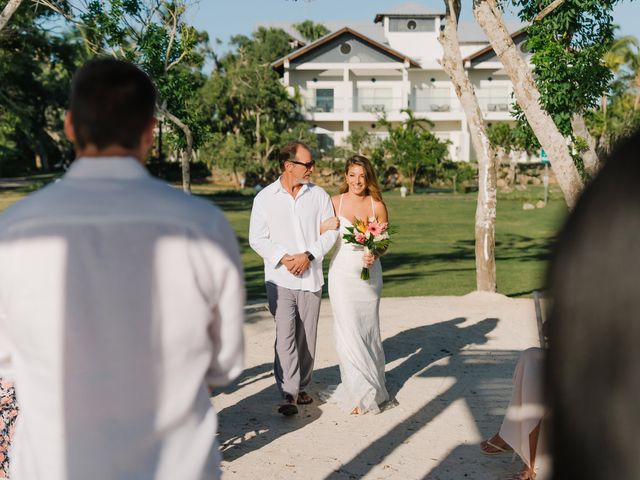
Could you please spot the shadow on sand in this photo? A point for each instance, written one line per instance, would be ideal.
(487, 385)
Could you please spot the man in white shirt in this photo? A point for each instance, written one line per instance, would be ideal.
(285, 232)
(121, 302)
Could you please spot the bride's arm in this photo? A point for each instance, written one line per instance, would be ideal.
(332, 223)
(329, 224)
(382, 215)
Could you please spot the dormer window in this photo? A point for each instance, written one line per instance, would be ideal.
(345, 48)
(408, 24)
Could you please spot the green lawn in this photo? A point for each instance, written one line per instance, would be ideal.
(433, 249)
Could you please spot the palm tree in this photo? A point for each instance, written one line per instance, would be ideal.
(311, 31)
(619, 109)
(624, 60)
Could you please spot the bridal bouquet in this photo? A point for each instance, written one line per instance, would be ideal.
(371, 234)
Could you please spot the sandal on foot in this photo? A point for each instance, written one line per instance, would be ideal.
(304, 398)
(488, 444)
(524, 475)
(288, 408)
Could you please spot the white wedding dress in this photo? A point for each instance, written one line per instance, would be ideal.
(356, 325)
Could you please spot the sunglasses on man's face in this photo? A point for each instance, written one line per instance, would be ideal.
(308, 165)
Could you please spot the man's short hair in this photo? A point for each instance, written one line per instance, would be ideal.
(289, 152)
(112, 102)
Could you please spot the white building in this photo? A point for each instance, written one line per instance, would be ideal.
(359, 72)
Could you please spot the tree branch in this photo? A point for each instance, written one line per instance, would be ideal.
(176, 62)
(172, 36)
(548, 9)
(8, 11)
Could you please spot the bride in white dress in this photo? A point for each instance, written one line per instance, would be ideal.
(355, 302)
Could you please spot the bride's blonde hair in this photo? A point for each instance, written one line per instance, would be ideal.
(372, 188)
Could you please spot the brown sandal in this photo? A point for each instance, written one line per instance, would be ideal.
(304, 398)
(525, 474)
(487, 445)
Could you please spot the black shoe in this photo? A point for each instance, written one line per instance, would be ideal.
(289, 407)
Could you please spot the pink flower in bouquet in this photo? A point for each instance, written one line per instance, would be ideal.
(360, 237)
(374, 228)
(383, 227)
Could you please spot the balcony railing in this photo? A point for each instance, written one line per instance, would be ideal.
(439, 104)
(322, 105)
(451, 104)
(377, 104)
(434, 104)
(494, 104)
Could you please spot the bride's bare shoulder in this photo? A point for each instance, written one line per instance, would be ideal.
(380, 210)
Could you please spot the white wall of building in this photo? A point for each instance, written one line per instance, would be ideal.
(424, 47)
(363, 93)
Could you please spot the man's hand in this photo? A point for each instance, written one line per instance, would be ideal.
(296, 264)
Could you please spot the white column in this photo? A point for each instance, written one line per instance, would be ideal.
(347, 103)
(286, 72)
(406, 87)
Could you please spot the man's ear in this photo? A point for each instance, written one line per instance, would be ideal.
(148, 134)
(68, 127)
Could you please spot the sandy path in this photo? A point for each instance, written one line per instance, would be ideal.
(449, 363)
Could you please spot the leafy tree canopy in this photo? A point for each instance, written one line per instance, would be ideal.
(568, 46)
(35, 72)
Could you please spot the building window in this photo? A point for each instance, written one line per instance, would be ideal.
(324, 100)
(408, 24)
(345, 48)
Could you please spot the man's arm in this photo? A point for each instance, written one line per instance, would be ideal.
(226, 327)
(259, 238)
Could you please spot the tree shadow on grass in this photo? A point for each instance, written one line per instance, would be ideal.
(401, 266)
(254, 282)
(229, 201)
(523, 248)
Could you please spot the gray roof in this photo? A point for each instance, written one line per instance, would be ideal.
(471, 32)
(468, 32)
(368, 29)
(411, 9)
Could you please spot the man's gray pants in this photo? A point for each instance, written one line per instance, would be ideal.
(296, 315)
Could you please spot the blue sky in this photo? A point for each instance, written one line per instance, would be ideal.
(223, 18)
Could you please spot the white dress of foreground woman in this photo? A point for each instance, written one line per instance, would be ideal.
(523, 428)
(356, 324)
